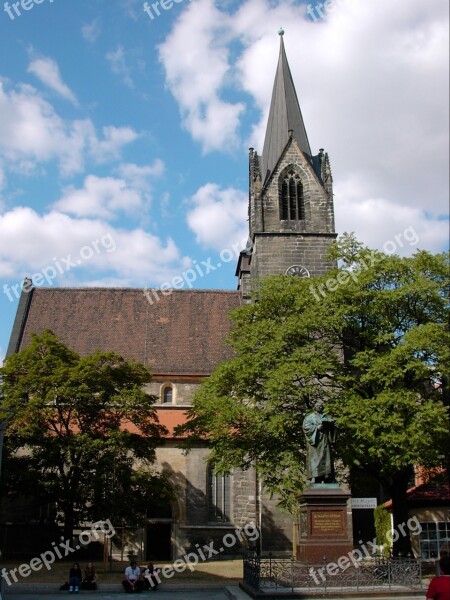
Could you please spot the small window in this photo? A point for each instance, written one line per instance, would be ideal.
(167, 395)
(434, 540)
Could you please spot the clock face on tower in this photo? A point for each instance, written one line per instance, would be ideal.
(298, 270)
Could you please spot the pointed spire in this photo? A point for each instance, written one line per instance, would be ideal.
(284, 116)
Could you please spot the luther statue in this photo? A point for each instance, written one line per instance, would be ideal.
(320, 432)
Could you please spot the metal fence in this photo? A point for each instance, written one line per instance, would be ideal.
(273, 574)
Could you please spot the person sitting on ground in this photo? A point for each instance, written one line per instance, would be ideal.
(74, 578)
(90, 577)
(151, 580)
(439, 588)
(133, 578)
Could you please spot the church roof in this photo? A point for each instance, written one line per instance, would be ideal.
(180, 334)
(284, 115)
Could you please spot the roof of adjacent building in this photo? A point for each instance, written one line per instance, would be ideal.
(284, 116)
(180, 334)
(435, 492)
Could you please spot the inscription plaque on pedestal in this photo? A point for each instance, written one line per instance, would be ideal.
(327, 522)
(325, 529)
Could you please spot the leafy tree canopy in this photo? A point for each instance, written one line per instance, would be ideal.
(370, 338)
(75, 420)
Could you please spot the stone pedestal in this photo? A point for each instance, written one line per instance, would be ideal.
(324, 524)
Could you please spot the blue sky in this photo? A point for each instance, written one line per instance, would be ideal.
(124, 139)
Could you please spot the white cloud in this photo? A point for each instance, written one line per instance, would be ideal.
(31, 132)
(117, 61)
(29, 128)
(100, 197)
(91, 31)
(133, 8)
(104, 197)
(372, 80)
(196, 58)
(218, 217)
(380, 109)
(378, 222)
(2, 185)
(141, 177)
(47, 71)
(2, 177)
(113, 139)
(32, 242)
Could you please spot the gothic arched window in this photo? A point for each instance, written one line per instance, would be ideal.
(219, 495)
(292, 205)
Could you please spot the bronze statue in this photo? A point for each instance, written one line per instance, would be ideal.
(320, 432)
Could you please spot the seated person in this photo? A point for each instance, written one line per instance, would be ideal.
(151, 579)
(74, 578)
(133, 579)
(90, 578)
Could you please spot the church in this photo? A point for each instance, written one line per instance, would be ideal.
(181, 336)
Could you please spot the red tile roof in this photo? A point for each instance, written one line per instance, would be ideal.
(183, 333)
(430, 492)
(435, 492)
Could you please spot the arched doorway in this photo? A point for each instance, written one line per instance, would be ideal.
(158, 545)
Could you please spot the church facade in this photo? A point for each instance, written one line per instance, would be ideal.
(181, 337)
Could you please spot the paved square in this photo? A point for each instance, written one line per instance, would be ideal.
(165, 594)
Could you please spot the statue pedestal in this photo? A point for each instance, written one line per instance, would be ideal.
(325, 524)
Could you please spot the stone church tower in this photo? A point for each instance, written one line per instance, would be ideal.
(181, 337)
(291, 215)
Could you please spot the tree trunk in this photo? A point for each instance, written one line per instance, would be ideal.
(69, 520)
(401, 536)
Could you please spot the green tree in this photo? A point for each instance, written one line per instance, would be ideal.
(252, 408)
(75, 420)
(370, 338)
(393, 408)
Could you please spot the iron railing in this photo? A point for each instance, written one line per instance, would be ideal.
(375, 573)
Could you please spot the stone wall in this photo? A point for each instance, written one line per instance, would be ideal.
(275, 253)
(277, 528)
(183, 391)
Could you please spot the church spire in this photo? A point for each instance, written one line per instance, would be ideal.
(284, 116)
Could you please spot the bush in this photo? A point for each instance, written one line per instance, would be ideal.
(382, 520)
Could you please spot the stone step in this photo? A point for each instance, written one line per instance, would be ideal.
(335, 594)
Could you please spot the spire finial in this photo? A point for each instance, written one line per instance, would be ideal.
(281, 32)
